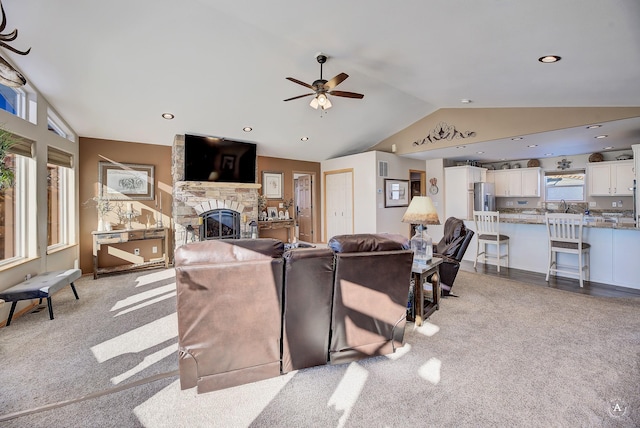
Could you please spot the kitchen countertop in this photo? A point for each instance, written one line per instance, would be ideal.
(596, 220)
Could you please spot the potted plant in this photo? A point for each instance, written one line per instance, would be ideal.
(7, 139)
(287, 204)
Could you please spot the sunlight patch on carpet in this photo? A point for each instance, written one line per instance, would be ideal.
(238, 406)
(148, 361)
(345, 396)
(400, 352)
(156, 276)
(139, 339)
(131, 300)
(427, 329)
(430, 371)
(147, 303)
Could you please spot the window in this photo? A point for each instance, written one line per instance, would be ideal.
(57, 126)
(13, 211)
(564, 185)
(59, 189)
(12, 100)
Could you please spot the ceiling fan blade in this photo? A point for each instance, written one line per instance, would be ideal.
(300, 96)
(346, 94)
(306, 85)
(336, 81)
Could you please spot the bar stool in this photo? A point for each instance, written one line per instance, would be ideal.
(488, 231)
(565, 236)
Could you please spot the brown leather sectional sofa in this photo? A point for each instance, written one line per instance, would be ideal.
(249, 310)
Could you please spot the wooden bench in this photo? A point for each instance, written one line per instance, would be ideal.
(39, 287)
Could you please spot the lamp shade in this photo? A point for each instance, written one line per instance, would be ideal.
(421, 211)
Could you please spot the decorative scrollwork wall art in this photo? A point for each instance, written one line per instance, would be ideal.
(443, 132)
(564, 164)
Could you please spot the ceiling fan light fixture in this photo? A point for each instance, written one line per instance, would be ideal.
(314, 103)
(548, 59)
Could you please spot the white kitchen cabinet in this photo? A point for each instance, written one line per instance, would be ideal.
(613, 178)
(530, 182)
(458, 185)
(517, 182)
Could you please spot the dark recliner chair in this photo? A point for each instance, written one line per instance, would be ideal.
(451, 249)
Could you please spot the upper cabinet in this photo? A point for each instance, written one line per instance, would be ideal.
(613, 178)
(520, 182)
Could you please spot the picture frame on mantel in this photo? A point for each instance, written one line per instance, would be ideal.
(126, 181)
(396, 193)
(272, 184)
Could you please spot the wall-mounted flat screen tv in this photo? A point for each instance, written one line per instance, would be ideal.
(219, 159)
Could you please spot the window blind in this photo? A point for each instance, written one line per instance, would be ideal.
(59, 158)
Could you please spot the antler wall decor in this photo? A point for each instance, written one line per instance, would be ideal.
(443, 132)
(9, 76)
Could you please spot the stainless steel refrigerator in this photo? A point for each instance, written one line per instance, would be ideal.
(484, 196)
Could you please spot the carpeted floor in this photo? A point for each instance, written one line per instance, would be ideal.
(502, 354)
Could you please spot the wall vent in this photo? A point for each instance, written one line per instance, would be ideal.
(383, 168)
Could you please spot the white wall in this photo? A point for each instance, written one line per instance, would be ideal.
(41, 261)
(369, 213)
(389, 220)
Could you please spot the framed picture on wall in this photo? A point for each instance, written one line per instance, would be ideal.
(272, 185)
(396, 193)
(125, 181)
(273, 213)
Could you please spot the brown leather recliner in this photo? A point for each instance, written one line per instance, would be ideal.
(451, 249)
(372, 278)
(229, 312)
(306, 318)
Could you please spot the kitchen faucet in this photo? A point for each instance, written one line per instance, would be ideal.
(563, 206)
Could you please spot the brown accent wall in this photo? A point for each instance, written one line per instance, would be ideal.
(289, 167)
(93, 150)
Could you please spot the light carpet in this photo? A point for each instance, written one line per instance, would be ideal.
(502, 354)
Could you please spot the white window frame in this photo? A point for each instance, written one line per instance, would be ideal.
(25, 238)
(64, 205)
(583, 186)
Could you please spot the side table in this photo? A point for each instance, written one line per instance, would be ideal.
(419, 275)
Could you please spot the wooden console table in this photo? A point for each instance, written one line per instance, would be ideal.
(290, 225)
(113, 237)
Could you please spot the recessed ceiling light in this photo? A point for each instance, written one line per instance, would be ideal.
(532, 145)
(479, 153)
(466, 101)
(460, 147)
(168, 116)
(516, 138)
(304, 139)
(247, 129)
(549, 58)
(503, 159)
(594, 126)
(601, 136)
(548, 154)
(607, 148)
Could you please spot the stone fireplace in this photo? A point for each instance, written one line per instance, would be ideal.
(197, 204)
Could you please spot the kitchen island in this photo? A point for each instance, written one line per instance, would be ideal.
(615, 247)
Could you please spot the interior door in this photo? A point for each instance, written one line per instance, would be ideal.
(304, 208)
(339, 204)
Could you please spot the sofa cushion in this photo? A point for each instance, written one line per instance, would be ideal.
(228, 250)
(367, 242)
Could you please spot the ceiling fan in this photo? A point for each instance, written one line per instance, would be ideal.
(321, 88)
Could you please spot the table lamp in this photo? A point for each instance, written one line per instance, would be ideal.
(421, 211)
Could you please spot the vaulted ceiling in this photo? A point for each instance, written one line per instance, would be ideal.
(111, 68)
